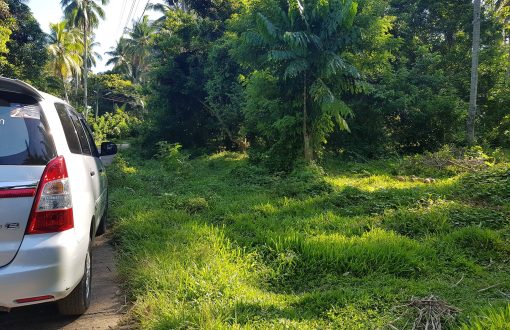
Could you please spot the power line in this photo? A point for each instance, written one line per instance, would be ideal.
(130, 15)
(144, 10)
(123, 11)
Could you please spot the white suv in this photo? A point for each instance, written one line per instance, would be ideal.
(53, 200)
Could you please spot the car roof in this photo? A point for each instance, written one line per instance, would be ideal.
(20, 87)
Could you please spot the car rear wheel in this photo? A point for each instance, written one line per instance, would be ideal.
(78, 301)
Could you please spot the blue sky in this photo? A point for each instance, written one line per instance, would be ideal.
(109, 31)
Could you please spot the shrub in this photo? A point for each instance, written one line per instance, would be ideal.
(172, 156)
(447, 161)
(116, 125)
(119, 170)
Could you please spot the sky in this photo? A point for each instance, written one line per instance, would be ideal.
(109, 31)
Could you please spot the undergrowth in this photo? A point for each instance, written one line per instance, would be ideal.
(215, 243)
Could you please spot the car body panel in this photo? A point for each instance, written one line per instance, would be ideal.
(48, 264)
(15, 210)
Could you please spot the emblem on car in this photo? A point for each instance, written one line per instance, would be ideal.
(10, 226)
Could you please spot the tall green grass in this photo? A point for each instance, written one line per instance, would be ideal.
(218, 243)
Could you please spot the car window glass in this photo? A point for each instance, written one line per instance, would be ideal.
(82, 136)
(90, 138)
(69, 130)
(24, 134)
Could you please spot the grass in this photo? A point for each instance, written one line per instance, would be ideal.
(216, 243)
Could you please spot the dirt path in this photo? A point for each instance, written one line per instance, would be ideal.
(105, 309)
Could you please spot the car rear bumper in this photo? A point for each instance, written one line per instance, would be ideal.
(46, 265)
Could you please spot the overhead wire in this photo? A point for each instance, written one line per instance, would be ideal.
(123, 11)
(144, 10)
(130, 15)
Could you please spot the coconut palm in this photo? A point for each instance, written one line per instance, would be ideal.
(119, 57)
(94, 56)
(86, 15)
(65, 48)
(138, 47)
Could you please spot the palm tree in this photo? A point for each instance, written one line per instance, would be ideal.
(138, 47)
(65, 48)
(119, 57)
(84, 14)
(474, 73)
(302, 44)
(169, 5)
(94, 56)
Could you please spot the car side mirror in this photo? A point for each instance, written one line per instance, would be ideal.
(108, 149)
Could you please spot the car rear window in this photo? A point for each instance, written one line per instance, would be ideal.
(24, 135)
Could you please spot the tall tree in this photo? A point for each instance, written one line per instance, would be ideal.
(27, 55)
(84, 14)
(306, 44)
(65, 48)
(139, 47)
(474, 73)
(119, 58)
(6, 23)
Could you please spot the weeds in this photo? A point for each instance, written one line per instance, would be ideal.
(220, 243)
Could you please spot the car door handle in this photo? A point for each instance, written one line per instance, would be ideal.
(92, 173)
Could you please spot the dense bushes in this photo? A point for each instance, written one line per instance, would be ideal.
(253, 68)
(115, 125)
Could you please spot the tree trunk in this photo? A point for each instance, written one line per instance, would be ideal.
(85, 70)
(97, 104)
(65, 89)
(306, 136)
(221, 122)
(474, 73)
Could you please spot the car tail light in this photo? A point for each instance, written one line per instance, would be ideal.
(53, 208)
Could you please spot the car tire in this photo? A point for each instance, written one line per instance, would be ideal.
(101, 228)
(78, 301)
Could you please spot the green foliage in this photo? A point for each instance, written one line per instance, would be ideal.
(6, 23)
(233, 245)
(494, 318)
(299, 61)
(112, 91)
(448, 160)
(172, 156)
(115, 125)
(26, 56)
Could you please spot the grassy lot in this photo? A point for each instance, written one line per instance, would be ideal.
(217, 243)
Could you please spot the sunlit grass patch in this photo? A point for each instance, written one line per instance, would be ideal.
(377, 251)
(227, 245)
(494, 318)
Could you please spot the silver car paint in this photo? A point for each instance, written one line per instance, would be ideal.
(52, 264)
